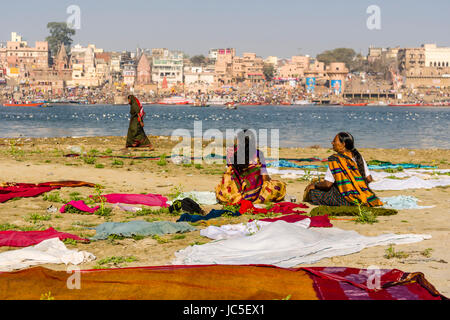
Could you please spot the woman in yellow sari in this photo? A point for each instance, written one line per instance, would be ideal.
(347, 179)
(246, 176)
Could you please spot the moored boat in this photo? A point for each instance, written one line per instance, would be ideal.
(354, 104)
(39, 104)
(404, 105)
(302, 103)
(176, 100)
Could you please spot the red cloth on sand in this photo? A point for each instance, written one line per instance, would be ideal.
(30, 238)
(316, 222)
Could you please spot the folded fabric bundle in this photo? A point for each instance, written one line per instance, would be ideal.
(286, 245)
(201, 197)
(411, 183)
(211, 215)
(23, 190)
(281, 207)
(48, 251)
(29, 238)
(402, 202)
(316, 222)
(187, 204)
(349, 211)
(142, 228)
(223, 282)
(80, 205)
(152, 200)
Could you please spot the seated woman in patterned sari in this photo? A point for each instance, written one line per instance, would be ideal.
(246, 176)
(347, 179)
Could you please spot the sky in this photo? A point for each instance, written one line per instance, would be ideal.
(281, 28)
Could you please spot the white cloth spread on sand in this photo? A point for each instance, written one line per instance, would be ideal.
(201, 197)
(410, 183)
(286, 245)
(47, 251)
(230, 231)
(402, 202)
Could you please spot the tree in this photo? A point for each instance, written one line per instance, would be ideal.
(345, 55)
(60, 33)
(198, 60)
(268, 71)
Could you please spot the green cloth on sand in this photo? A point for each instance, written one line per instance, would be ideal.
(142, 228)
(349, 211)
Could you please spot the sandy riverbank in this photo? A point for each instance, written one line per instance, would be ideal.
(41, 160)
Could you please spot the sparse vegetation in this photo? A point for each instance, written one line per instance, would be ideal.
(391, 253)
(54, 197)
(114, 262)
(35, 217)
(427, 252)
(162, 160)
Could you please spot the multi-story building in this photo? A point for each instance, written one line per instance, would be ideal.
(295, 68)
(129, 74)
(167, 65)
(195, 77)
(436, 56)
(84, 63)
(21, 59)
(426, 66)
(253, 68)
(214, 53)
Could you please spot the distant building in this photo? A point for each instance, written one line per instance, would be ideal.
(271, 60)
(129, 74)
(213, 53)
(144, 71)
(167, 65)
(90, 66)
(426, 66)
(21, 59)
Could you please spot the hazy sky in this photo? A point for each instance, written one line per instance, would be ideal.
(280, 27)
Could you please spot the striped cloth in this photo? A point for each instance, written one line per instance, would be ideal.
(349, 181)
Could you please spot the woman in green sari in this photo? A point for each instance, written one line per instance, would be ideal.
(136, 137)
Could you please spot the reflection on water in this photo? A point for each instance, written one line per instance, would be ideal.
(301, 126)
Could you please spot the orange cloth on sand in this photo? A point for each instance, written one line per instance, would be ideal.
(217, 282)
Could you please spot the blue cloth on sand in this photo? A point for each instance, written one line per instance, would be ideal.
(289, 164)
(402, 202)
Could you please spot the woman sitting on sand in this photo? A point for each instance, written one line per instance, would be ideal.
(136, 136)
(346, 180)
(246, 176)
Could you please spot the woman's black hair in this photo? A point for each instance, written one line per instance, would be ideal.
(246, 142)
(349, 143)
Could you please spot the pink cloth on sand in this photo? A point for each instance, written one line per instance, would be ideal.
(316, 222)
(80, 205)
(152, 200)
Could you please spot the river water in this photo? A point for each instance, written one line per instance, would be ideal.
(299, 126)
